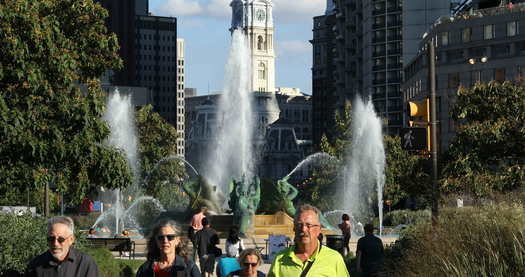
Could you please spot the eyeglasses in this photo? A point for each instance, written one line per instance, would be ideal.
(169, 237)
(250, 264)
(51, 239)
(307, 225)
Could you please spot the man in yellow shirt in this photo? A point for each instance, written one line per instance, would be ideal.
(308, 257)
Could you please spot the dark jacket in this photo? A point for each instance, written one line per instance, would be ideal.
(206, 239)
(190, 268)
(77, 263)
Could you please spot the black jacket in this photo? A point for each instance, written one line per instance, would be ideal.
(190, 268)
(77, 263)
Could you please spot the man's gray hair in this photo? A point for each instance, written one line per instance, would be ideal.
(66, 220)
(306, 207)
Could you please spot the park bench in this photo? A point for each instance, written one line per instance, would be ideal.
(115, 244)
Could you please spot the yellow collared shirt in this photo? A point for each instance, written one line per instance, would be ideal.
(326, 262)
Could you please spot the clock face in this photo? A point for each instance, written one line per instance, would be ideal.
(260, 15)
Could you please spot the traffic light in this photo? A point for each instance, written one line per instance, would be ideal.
(419, 116)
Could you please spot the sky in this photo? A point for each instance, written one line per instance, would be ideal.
(204, 24)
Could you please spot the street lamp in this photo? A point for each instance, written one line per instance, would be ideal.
(482, 60)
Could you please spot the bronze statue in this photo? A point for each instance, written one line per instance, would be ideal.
(287, 193)
(244, 201)
(202, 193)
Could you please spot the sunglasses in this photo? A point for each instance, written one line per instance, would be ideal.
(169, 237)
(59, 239)
(250, 264)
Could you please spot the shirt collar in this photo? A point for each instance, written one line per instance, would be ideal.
(71, 256)
(296, 260)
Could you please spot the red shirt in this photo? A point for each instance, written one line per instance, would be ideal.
(160, 272)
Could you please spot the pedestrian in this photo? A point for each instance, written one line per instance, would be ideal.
(195, 226)
(123, 235)
(206, 241)
(61, 259)
(346, 230)
(164, 247)
(250, 260)
(92, 233)
(234, 244)
(369, 253)
(308, 256)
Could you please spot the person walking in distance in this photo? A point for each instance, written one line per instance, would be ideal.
(346, 230)
(308, 257)
(206, 239)
(369, 253)
(195, 226)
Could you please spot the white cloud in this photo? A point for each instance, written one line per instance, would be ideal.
(285, 11)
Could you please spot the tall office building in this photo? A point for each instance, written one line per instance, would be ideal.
(152, 59)
(370, 41)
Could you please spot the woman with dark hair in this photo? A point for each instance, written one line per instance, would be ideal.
(250, 260)
(234, 244)
(164, 248)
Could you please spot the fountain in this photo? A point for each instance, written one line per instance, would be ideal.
(308, 160)
(232, 153)
(364, 171)
(122, 212)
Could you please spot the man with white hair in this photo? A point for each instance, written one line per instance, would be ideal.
(61, 259)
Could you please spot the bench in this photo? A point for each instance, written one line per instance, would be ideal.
(115, 244)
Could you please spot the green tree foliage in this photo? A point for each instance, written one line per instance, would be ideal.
(488, 152)
(158, 140)
(405, 174)
(51, 131)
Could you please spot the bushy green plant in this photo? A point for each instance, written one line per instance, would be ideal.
(398, 217)
(107, 265)
(477, 241)
(22, 238)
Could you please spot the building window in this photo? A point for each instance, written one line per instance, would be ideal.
(512, 28)
(488, 31)
(262, 71)
(260, 43)
(453, 80)
(444, 38)
(465, 34)
(499, 75)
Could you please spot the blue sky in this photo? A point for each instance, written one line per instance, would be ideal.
(203, 24)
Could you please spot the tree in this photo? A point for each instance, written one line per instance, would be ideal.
(488, 152)
(51, 131)
(405, 174)
(158, 143)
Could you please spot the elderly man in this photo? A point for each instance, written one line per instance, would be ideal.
(308, 257)
(61, 259)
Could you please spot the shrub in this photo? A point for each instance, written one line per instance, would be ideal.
(486, 241)
(22, 238)
(398, 217)
(107, 265)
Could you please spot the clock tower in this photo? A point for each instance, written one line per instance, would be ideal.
(255, 18)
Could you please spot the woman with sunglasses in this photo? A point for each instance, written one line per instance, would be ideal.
(164, 248)
(250, 260)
